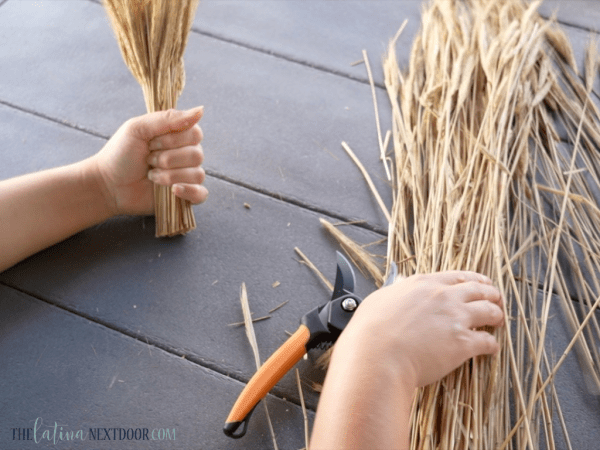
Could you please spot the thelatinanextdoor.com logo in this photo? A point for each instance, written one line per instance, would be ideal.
(57, 433)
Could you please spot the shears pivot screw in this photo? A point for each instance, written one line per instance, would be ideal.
(349, 304)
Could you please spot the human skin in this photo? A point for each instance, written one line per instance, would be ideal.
(402, 337)
(40, 209)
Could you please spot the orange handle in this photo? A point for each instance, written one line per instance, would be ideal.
(265, 378)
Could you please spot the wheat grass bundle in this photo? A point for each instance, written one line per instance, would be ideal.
(152, 36)
(484, 181)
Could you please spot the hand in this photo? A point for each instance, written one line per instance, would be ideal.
(425, 324)
(167, 143)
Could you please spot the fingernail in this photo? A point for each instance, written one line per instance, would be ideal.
(152, 175)
(177, 189)
(153, 160)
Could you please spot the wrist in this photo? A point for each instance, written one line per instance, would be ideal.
(367, 397)
(94, 183)
(377, 351)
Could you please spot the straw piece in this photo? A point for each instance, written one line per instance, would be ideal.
(248, 324)
(252, 340)
(278, 306)
(591, 65)
(359, 256)
(368, 180)
(258, 319)
(382, 149)
(312, 267)
(306, 431)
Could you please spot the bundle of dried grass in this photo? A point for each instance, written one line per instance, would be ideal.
(152, 35)
(483, 181)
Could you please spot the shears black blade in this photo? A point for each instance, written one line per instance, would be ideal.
(344, 279)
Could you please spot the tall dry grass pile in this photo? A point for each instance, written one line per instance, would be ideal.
(152, 35)
(495, 168)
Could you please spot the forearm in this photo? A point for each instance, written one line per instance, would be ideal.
(40, 209)
(365, 403)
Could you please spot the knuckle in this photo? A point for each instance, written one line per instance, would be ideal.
(200, 196)
(164, 178)
(441, 295)
(473, 288)
(163, 160)
(419, 278)
(463, 319)
(492, 309)
(464, 339)
(129, 125)
(496, 313)
(170, 114)
(197, 134)
(192, 194)
(201, 175)
(167, 142)
(197, 156)
(492, 292)
(490, 344)
(483, 343)
(156, 176)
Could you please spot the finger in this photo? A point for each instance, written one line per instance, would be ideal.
(193, 193)
(482, 343)
(483, 313)
(459, 276)
(155, 124)
(190, 175)
(191, 156)
(472, 291)
(191, 136)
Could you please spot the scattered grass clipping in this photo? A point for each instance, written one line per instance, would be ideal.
(314, 269)
(252, 339)
(305, 416)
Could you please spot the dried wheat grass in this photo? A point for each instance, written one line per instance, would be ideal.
(483, 181)
(152, 36)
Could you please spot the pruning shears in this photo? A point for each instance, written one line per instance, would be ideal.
(319, 328)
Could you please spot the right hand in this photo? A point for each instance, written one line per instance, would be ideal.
(168, 143)
(425, 325)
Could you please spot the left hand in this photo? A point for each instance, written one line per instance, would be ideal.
(161, 147)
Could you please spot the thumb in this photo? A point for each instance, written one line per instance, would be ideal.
(151, 125)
